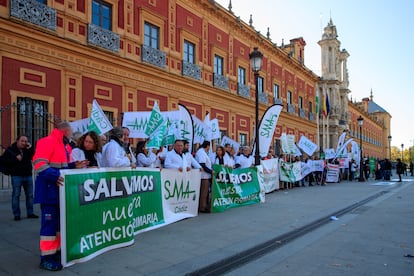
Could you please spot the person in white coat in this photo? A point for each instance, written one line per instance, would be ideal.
(145, 157)
(89, 149)
(114, 154)
(175, 158)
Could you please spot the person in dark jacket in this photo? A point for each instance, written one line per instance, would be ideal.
(18, 158)
(400, 169)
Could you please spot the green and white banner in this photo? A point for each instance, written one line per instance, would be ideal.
(103, 209)
(290, 172)
(180, 194)
(234, 187)
(98, 120)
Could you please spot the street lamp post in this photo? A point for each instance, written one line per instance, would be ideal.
(256, 64)
(360, 123)
(402, 152)
(389, 144)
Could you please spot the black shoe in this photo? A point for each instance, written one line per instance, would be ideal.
(16, 217)
(50, 265)
(32, 216)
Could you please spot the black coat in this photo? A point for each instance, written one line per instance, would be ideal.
(14, 167)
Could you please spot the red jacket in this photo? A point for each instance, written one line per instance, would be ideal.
(51, 155)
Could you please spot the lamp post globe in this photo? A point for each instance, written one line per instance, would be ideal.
(256, 58)
(361, 164)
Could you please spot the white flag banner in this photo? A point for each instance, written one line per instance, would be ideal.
(200, 130)
(284, 142)
(355, 152)
(215, 129)
(185, 126)
(226, 140)
(136, 122)
(342, 151)
(80, 125)
(271, 174)
(291, 144)
(297, 151)
(98, 120)
(341, 141)
(267, 128)
(329, 153)
(307, 145)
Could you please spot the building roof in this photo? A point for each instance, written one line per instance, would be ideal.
(374, 107)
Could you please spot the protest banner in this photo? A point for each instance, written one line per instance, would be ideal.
(103, 209)
(234, 188)
(180, 194)
(332, 173)
(271, 175)
(80, 125)
(290, 172)
(307, 145)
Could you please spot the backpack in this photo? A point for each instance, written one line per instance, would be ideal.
(4, 167)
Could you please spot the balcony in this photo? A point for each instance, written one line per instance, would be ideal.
(302, 113)
(103, 38)
(291, 108)
(243, 90)
(221, 81)
(263, 98)
(34, 12)
(191, 70)
(153, 56)
(311, 116)
(277, 101)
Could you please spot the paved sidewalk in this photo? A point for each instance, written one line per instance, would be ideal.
(193, 243)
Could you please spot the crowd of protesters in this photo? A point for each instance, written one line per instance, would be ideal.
(63, 149)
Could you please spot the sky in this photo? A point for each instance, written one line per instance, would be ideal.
(377, 34)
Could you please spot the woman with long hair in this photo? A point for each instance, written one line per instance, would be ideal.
(89, 148)
(145, 157)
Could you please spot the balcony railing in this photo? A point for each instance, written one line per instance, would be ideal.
(277, 101)
(153, 56)
(34, 12)
(221, 81)
(103, 38)
(311, 116)
(191, 70)
(243, 90)
(302, 113)
(291, 108)
(263, 98)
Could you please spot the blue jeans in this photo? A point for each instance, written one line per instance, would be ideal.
(17, 183)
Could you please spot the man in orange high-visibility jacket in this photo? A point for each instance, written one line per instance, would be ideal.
(52, 154)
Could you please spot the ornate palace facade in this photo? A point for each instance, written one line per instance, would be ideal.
(57, 56)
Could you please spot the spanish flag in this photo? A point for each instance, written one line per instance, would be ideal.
(325, 105)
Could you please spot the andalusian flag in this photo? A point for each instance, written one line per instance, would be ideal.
(98, 121)
(317, 106)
